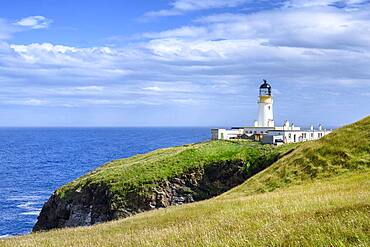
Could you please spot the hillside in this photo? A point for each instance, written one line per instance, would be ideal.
(171, 176)
(344, 150)
(316, 195)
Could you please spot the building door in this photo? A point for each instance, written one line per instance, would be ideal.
(222, 136)
(294, 137)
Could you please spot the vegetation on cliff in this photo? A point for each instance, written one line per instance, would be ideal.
(316, 195)
(147, 170)
(159, 179)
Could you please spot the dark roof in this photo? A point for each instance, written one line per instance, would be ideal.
(265, 85)
(301, 130)
(253, 127)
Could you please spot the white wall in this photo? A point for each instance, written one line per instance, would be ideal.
(224, 134)
(265, 114)
(299, 136)
(287, 135)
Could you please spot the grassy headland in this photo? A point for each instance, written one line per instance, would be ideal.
(146, 170)
(316, 195)
(158, 179)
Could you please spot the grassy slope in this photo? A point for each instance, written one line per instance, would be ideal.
(346, 149)
(145, 170)
(326, 203)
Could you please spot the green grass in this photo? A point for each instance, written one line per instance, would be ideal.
(344, 150)
(142, 172)
(317, 195)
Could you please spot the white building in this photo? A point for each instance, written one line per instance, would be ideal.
(264, 128)
(265, 114)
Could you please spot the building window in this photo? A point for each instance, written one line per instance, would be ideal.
(290, 135)
(311, 135)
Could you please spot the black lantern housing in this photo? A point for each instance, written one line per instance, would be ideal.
(265, 89)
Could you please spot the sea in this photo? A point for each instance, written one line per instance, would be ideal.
(34, 162)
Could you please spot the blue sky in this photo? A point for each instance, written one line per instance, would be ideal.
(182, 62)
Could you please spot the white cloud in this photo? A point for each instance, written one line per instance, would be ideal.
(7, 29)
(82, 90)
(179, 7)
(191, 5)
(211, 60)
(105, 102)
(172, 88)
(35, 102)
(187, 101)
(321, 28)
(26, 102)
(58, 59)
(153, 88)
(45, 47)
(184, 32)
(315, 3)
(34, 22)
(90, 88)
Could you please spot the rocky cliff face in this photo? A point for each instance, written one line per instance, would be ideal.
(96, 203)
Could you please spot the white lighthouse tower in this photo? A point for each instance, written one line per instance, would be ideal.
(265, 113)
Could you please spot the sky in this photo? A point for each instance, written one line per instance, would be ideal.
(182, 62)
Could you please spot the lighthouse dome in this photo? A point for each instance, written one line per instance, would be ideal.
(265, 89)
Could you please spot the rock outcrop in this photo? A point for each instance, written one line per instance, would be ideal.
(96, 203)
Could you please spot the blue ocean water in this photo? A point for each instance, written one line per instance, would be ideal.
(36, 161)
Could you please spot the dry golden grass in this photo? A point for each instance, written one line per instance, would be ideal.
(332, 212)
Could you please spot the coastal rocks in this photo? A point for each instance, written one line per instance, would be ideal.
(96, 203)
(84, 207)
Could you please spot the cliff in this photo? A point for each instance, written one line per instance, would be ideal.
(159, 179)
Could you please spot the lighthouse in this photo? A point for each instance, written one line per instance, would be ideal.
(265, 113)
(264, 128)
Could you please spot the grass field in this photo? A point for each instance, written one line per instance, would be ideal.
(318, 195)
(333, 212)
